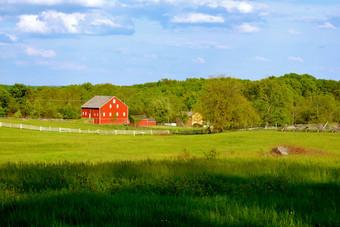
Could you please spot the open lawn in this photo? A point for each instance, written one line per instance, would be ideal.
(58, 179)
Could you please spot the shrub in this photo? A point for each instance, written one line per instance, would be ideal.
(212, 154)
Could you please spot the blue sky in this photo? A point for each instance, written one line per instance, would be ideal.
(61, 42)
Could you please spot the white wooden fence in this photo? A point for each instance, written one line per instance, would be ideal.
(101, 132)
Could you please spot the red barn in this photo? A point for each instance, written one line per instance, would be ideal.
(151, 122)
(105, 110)
(144, 121)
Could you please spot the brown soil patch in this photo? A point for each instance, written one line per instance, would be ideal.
(295, 150)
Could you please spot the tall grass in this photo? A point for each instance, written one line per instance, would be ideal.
(226, 179)
(200, 192)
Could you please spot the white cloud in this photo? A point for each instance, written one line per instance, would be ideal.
(8, 38)
(298, 59)
(223, 47)
(229, 5)
(200, 45)
(197, 18)
(243, 7)
(31, 51)
(32, 24)
(247, 28)
(200, 60)
(258, 58)
(106, 22)
(71, 66)
(50, 22)
(62, 65)
(62, 22)
(87, 3)
(294, 32)
(326, 25)
(21, 63)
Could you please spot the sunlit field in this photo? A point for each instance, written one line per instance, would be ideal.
(231, 178)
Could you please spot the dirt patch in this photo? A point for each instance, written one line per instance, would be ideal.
(294, 150)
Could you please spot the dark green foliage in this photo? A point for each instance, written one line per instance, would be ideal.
(289, 99)
(69, 113)
(223, 105)
(3, 111)
(4, 97)
(186, 192)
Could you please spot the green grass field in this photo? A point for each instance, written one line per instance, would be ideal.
(62, 179)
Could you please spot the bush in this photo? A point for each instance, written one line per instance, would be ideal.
(197, 125)
(212, 154)
(17, 114)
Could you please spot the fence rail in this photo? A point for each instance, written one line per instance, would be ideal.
(70, 130)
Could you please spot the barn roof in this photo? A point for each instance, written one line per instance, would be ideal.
(97, 101)
(142, 117)
(151, 120)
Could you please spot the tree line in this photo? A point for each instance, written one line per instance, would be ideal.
(224, 102)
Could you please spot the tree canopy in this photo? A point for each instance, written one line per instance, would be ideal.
(224, 102)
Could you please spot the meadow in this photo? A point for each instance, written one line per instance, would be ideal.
(230, 178)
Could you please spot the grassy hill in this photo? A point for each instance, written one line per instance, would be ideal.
(49, 178)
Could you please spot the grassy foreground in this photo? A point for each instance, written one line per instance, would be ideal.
(196, 192)
(63, 179)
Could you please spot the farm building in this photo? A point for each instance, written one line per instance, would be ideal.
(105, 110)
(194, 118)
(144, 121)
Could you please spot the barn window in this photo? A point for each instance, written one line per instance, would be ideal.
(103, 114)
(110, 114)
(85, 113)
(110, 106)
(117, 114)
(114, 101)
(117, 105)
(124, 114)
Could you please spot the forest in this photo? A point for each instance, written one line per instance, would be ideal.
(223, 101)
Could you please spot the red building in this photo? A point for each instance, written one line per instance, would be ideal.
(105, 110)
(144, 121)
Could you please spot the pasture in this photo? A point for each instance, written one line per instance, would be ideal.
(50, 178)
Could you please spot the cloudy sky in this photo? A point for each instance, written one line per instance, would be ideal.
(124, 42)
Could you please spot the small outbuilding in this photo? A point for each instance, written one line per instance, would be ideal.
(142, 121)
(106, 110)
(193, 119)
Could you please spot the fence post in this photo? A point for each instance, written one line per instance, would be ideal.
(134, 132)
(151, 132)
(40, 129)
(10, 125)
(79, 130)
(116, 132)
(59, 129)
(20, 126)
(50, 128)
(0, 124)
(168, 132)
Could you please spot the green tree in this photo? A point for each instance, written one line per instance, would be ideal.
(223, 105)
(3, 111)
(159, 109)
(18, 91)
(69, 113)
(5, 97)
(25, 107)
(273, 101)
(37, 109)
